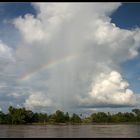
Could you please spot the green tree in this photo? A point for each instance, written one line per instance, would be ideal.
(75, 118)
(28, 115)
(67, 117)
(59, 116)
(137, 114)
(19, 115)
(2, 116)
(43, 118)
(99, 117)
(23, 116)
(52, 118)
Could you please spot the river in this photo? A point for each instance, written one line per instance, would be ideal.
(69, 131)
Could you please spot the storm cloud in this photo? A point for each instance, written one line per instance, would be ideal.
(70, 56)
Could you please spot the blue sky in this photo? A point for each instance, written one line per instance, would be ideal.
(11, 10)
(125, 17)
(8, 11)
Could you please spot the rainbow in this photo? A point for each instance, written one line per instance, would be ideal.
(49, 65)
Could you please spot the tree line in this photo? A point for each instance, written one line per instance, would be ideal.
(24, 116)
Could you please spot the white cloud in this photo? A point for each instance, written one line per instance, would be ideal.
(5, 52)
(52, 16)
(109, 90)
(7, 60)
(85, 30)
(17, 94)
(37, 100)
(3, 85)
(30, 28)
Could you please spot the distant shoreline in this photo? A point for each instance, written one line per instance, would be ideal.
(90, 123)
(28, 117)
(66, 124)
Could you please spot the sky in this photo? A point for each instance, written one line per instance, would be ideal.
(76, 57)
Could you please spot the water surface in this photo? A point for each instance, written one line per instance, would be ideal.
(78, 131)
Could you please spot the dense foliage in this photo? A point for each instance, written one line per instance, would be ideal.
(24, 116)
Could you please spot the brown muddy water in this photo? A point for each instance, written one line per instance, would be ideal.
(69, 131)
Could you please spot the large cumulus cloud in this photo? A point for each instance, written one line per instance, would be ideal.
(96, 48)
(109, 90)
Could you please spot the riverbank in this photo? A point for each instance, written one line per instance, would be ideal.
(65, 124)
(24, 116)
(110, 123)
